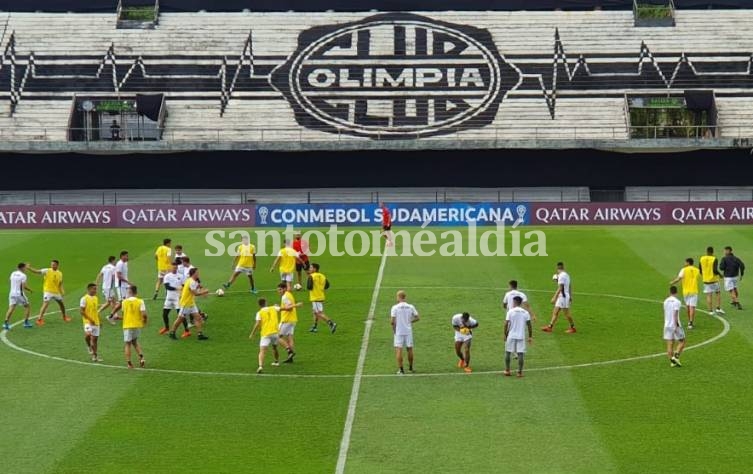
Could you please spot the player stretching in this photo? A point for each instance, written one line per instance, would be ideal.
(709, 267)
(463, 325)
(164, 262)
(287, 258)
(302, 247)
(89, 306)
(386, 223)
(121, 277)
(244, 262)
(516, 322)
(106, 279)
(733, 270)
(53, 290)
(173, 282)
(134, 318)
(673, 333)
(402, 317)
(562, 300)
(507, 302)
(267, 321)
(17, 297)
(689, 276)
(288, 320)
(191, 289)
(317, 284)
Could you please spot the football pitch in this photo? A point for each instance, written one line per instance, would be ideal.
(602, 400)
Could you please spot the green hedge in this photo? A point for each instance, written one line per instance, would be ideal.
(647, 11)
(137, 13)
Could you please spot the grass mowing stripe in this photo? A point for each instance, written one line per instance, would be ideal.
(342, 456)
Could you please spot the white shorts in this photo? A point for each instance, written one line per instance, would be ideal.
(18, 300)
(123, 291)
(515, 345)
(730, 283)
(403, 340)
(131, 334)
(317, 306)
(91, 329)
(287, 277)
(287, 329)
(691, 300)
(270, 340)
(711, 288)
(161, 273)
(53, 296)
(562, 302)
(109, 294)
(188, 311)
(171, 303)
(674, 334)
(244, 270)
(463, 337)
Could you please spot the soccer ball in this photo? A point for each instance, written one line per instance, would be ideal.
(220, 292)
(297, 287)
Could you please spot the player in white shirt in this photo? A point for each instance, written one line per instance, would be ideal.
(516, 323)
(674, 335)
(17, 296)
(107, 280)
(173, 282)
(121, 278)
(513, 292)
(179, 252)
(402, 317)
(185, 267)
(463, 325)
(562, 300)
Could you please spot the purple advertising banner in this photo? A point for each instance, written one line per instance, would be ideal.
(124, 216)
(642, 213)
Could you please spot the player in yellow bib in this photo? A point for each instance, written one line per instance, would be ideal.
(163, 256)
(134, 318)
(689, 276)
(317, 284)
(89, 307)
(53, 290)
(288, 320)
(709, 266)
(287, 258)
(244, 262)
(191, 289)
(267, 322)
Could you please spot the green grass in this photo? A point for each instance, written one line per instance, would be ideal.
(648, 11)
(145, 13)
(635, 416)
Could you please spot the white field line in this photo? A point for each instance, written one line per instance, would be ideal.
(342, 456)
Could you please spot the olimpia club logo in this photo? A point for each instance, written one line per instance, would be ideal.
(395, 75)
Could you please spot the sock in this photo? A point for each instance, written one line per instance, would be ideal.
(166, 318)
(185, 324)
(315, 324)
(507, 360)
(521, 358)
(141, 356)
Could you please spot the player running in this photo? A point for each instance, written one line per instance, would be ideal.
(402, 317)
(317, 284)
(164, 263)
(191, 289)
(173, 282)
(673, 333)
(709, 266)
(733, 270)
(89, 307)
(244, 262)
(463, 324)
(516, 322)
(288, 320)
(513, 291)
(53, 290)
(689, 275)
(106, 279)
(287, 258)
(134, 318)
(386, 223)
(17, 295)
(562, 300)
(302, 247)
(267, 321)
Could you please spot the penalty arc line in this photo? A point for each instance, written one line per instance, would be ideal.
(342, 455)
